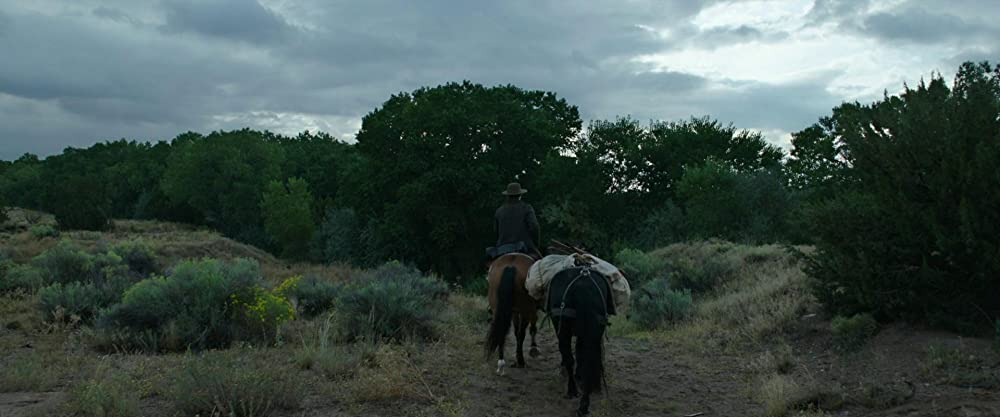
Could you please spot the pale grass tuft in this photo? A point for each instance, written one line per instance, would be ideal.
(763, 298)
(387, 376)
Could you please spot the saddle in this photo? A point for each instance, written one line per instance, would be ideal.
(498, 251)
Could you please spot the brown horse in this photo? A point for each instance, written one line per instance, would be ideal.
(511, 303)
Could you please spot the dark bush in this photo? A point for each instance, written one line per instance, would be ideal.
(75, 300)
(430, 288)
(65, 263)
(852, 333)
(200, 305)
(80, 203)
(664, 226)
(655, 305)
(476, 285)
(889, 243)
(392, 302)
(138, 256)
(338, 239)
(21, 277)
(314, 295)
(42, 231)
(640, 267)
(699, 276)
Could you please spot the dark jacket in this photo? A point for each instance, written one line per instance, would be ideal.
(516, 222)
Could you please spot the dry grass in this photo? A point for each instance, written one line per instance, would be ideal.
(39, 369)
(235, 382)
(766, 292)
(109, 393)
(954, 366)
(786, 395)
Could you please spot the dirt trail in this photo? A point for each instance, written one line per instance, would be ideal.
(644, 378)
(14, 404)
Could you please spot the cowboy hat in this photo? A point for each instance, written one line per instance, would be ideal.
(514, 189)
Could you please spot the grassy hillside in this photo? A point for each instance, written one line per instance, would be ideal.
(753, 341)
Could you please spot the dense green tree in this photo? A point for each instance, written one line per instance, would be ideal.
(21, 182)
(223, 176)
(75, 193)
(437, 158)
(320, 160)
(650, 160)
(915, 235)
(339, 238)
(288, 216)
(815, 163)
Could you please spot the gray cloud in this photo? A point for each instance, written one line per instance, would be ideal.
(243, 20)
(920, 25)
(78, 72)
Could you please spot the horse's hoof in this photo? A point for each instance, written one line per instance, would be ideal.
(534, 352)
(570, 396)
(517, 365)
(501, 364)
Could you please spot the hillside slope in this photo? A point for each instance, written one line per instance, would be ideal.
(756, 344)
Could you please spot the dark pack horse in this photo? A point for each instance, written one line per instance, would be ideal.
(511, 304)
(579, 303)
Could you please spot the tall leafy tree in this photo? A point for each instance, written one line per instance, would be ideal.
(288, 216)
(437, 158)
(76, 191)
(223, 175)
(21, 183)
(916, 234)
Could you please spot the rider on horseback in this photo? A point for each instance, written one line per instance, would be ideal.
(516, 225)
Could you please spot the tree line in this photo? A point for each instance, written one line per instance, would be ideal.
(900, 196)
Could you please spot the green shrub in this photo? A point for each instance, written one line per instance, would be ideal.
(105, 395)
(66, 263)
(42, 231)
(21, 277)
(639, 267)
(226, 384)
(138, 256)
(430, 288)
(656, 305)
(700, 276)
(314, 295)
(885, 244)
(60, 301)
(201, 304)
(663, 226)
(392, 302)
(477, 285)
(262, 315)
(852, 333)
(83, 300)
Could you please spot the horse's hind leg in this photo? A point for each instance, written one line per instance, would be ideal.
(584, 409)
(501, 364)
(534, 346)
(520, 324)
(566, 351)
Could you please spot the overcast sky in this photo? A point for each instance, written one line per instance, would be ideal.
(76, 72)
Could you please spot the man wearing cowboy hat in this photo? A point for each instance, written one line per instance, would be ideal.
(516, 222)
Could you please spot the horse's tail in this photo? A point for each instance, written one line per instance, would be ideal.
(590, 326)
(504, 312)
